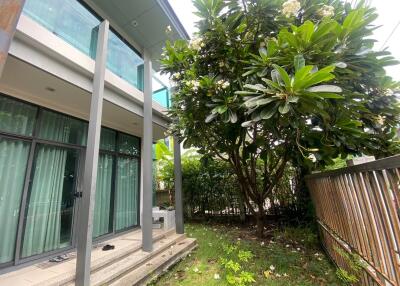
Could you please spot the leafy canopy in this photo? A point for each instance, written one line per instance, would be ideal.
(268, 84)
(309, 81)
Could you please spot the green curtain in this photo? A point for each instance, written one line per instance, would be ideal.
(58, 127)
(107, 139)
(102, 219)
(43, 219)
(13, 161)
(127, 193)
(16, 117)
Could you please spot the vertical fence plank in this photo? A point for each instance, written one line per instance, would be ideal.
(358, 210)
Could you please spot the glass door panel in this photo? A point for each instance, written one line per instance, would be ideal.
(13, 162)
(127, 193)
(102, 216)
(50, 207)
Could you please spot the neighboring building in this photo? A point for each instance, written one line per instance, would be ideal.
(46, 90)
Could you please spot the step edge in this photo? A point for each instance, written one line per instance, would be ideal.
(165, 267)
(126, 252)
(65, 278)
(162, 268)
(140, 262)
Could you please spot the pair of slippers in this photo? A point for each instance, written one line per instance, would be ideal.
(64, 257)
(108, 247)
(59, 258)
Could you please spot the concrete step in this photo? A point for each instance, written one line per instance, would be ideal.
(68, 278)
(125, 265)
(97, 265)
(157, 265)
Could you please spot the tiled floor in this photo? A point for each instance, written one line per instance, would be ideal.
(44, 271)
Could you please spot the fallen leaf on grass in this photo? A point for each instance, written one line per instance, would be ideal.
(267, 273)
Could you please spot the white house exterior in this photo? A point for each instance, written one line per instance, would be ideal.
(78, 116)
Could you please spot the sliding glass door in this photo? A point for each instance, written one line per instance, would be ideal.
(103, 208)
(127, 193)
(50, 207)
(41, 155)
(13, 161)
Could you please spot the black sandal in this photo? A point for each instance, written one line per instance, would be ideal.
(108, 247)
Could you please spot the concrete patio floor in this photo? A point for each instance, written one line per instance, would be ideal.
(126, 264)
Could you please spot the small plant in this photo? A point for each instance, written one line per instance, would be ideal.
(346, 277)
(230, 265)
(245, 256)
(228, 249)
(234, 274)
(244, 278)
(355, 263)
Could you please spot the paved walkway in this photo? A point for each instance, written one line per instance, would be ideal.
(42, 272)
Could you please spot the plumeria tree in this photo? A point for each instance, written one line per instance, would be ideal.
(267, 84)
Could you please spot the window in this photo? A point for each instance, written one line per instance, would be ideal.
(62, 128)
(51, 145)
(129, 145)
(13, 162)
(17, 117)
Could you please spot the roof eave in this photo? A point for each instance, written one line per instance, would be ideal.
(169, 11)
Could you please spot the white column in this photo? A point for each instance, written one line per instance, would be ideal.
(85, 222)
(147, 204)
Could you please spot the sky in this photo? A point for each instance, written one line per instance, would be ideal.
(388, 19)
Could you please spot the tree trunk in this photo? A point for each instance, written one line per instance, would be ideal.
(259, 215)
(260, 224)
(242, 213)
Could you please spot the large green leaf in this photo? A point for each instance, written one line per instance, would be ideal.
(322, 75)
(269, 111)
(272, 48)
(284, 108)
(299, 62)
(271, 84)
(258, 87)
(265, 101)
(211, 117)
(325, 88)
(284, 75)
(300, 75)
(306, 31)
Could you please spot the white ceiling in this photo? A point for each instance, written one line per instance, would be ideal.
(144, 21)
(29, 83)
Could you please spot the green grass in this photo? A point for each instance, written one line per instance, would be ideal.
(293, 252)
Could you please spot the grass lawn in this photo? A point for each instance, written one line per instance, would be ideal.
(289, 257)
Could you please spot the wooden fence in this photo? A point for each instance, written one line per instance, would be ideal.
(358, 213)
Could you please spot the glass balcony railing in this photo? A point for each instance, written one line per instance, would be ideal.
(161, 96)
(74, 23)
(67, 19)
(78, 26)
(124, 61)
